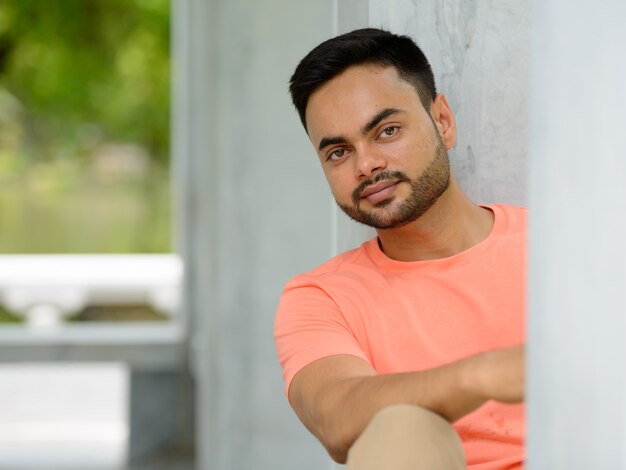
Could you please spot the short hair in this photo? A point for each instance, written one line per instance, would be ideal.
(362, 46)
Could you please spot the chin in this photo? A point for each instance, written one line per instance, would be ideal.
(379, 219)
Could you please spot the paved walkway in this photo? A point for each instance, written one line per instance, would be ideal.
(63, 416)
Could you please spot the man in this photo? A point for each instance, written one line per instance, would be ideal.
(384, 346)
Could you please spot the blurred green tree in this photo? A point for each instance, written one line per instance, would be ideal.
(87, 71)
(84, 126)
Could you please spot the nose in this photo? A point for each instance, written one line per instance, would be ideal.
(369, 163)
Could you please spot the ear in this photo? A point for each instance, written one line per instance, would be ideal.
(444, 120)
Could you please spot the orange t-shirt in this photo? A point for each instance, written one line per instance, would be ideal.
(411, 316)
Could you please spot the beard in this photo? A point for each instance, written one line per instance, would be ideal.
(425, 191)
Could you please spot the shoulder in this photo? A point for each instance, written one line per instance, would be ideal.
(342, 266)
(310, 321)
(333, 287)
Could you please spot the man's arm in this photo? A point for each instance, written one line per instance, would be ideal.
(337, 396)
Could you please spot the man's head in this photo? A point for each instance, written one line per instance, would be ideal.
(363, 46)
(380, 130)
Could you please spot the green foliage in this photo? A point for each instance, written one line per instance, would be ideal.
(77, 77)
(88, 70)
(8, 317)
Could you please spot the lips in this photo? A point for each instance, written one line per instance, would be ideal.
(379, 191)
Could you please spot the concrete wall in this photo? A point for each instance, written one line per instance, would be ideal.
(255, 212)
(577, 382)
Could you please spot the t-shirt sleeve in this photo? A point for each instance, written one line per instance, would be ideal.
(309, 326)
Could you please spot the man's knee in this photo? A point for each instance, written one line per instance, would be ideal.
(403, 437)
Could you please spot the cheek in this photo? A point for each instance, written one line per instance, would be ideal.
(402, 154)
(412, 154)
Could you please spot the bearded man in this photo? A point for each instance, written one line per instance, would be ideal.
(404, 353)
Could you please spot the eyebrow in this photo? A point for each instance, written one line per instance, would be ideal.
(326, 141)
(371, 124)
(385, 113)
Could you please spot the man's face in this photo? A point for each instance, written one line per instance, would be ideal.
(381, 151)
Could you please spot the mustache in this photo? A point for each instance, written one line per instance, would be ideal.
(383, 175)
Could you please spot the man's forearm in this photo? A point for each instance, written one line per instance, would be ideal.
(351, 403)
(341, 409)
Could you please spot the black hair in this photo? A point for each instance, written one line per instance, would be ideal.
(362, 46)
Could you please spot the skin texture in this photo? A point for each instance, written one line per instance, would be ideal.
(370, 128)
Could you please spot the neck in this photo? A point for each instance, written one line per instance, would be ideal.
(453, 224)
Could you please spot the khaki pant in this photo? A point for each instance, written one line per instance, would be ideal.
(407, 437)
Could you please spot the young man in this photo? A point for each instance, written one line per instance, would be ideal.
(384, 346)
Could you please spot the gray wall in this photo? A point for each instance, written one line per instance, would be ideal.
(577, 381)
(271, 221)
(256, 211)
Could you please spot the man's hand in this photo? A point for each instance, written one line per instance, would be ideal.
(498, 375)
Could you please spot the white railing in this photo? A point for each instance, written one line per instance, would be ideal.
(44, 289)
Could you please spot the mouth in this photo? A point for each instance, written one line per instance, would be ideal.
(379, 192)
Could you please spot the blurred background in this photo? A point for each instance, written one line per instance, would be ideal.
(84, 126)
(88, 277)
(157, 191)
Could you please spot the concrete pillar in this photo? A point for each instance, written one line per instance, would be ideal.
(254, 212)
(577, 377)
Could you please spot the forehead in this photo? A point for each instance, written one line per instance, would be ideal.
(351, 98)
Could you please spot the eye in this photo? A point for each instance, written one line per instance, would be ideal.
(336, 154)
(389, 131)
